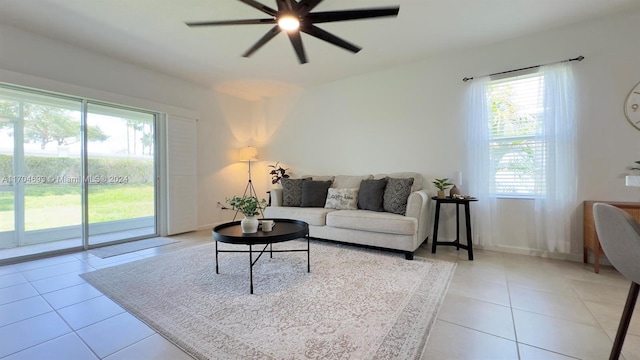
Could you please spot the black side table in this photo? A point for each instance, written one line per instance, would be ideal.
(467, 215)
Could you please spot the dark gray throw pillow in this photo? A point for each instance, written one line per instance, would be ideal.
(370, 196)
(314, 193)
(396, 194)
(292, 191)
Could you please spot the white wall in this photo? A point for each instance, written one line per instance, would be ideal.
(411, 118)
(408, 118)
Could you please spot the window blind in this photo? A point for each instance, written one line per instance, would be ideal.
(516, 153)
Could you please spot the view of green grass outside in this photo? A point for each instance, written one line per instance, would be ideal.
(6, 211)
(51, 206)
(120, 202)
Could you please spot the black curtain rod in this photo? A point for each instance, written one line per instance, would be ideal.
(579, 58)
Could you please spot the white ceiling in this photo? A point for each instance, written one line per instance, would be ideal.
(152, 33)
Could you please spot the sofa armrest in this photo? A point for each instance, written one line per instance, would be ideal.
(417, 208)
(276, 197)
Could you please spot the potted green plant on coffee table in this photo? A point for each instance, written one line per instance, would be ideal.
(441, 185)
(250, 207)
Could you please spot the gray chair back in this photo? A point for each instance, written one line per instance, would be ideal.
(619, 236)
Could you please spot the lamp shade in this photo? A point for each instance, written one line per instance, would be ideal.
(248, 153)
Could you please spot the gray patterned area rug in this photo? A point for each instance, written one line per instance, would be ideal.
(132, 246)
(354, 304)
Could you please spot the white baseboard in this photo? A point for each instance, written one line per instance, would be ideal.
(531, 252)
(211, 226)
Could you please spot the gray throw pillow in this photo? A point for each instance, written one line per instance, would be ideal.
(314, 193)
(371, 194)
(396, 194)
(292, 191)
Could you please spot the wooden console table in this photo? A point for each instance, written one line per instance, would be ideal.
(591, 241)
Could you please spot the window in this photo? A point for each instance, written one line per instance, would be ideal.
(521, 143)
(516, 108)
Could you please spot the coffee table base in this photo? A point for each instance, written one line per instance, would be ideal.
(252, 262)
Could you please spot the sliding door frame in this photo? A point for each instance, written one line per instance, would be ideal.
(18, 167)
(85, 170)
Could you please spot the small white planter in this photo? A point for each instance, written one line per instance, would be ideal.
(249, 225)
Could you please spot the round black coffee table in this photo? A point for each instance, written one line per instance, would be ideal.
(283, 230)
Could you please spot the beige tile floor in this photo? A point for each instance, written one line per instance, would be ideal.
(506, 306)
(499, 306)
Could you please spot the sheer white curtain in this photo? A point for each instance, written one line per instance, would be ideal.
(554, 212)
(556, 195)
(481, 182)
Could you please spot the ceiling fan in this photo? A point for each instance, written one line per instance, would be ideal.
(295, 16)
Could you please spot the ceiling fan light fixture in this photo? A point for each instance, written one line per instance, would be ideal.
(297, 16)
(288, 23)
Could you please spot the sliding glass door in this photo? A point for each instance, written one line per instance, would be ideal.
(58, 182)
(51, 197)
(7, 188)
(39, 136)
(121, 168)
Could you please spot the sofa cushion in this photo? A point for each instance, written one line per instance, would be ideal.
(292, 191)
(371, 193)
(314, 193)
(349, 181)
(396, 194)
(373, 221)
(342, 199)
(312, 216)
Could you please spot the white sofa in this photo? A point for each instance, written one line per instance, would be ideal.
(403, 233)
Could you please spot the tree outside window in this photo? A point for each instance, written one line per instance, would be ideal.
(515, 117)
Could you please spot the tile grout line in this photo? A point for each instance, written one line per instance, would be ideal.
(582, 301)
(477, 330)
(38, 344)
(130, 345)
(513, 318)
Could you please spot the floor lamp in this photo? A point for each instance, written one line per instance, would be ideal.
(249, 154)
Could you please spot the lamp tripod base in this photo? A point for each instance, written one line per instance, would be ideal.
(251, 191)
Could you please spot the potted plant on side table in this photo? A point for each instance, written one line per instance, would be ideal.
(250, 207)
(442, 184)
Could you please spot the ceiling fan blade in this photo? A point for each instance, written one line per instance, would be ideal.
(285, 5)
(231, 22)
(268, 36)
(296, 41)
(328, 37)
(305, 6)
(344, 15)
(264, 8)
